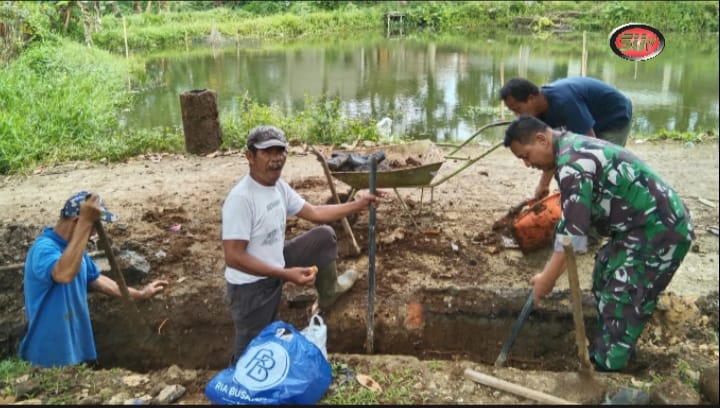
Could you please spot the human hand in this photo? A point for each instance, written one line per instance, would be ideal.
(541, 191)
(543, 285)
(153, 288)
(90, 209)
(301, 275)
(373, 199)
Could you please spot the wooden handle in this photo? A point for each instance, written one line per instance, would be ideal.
(574, 283)
(524, 392)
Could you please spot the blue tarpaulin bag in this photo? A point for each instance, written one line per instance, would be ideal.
(279, 366)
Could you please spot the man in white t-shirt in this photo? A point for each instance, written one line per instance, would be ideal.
(258, 259)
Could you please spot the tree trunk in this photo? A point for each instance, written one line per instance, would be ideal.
(87, 22)
(200, 121)
(98, 17)
(68, 13)
(149, 7)
(138, 6)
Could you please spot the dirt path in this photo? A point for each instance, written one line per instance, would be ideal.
(448, 271)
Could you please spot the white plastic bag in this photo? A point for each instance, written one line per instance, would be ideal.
(316, 332)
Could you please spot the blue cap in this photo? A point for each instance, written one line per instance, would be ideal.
(72, 207)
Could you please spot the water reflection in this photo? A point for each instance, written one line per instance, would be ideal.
(438, 89)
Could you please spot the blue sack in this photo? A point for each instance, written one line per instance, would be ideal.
(279, 366)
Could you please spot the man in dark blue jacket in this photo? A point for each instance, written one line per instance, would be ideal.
(581, 105)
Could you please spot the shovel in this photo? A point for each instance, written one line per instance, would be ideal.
(502, 358)
(120, 278)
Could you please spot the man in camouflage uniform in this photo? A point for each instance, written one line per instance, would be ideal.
(649, 228)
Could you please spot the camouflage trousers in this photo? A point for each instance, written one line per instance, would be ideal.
(626, 286)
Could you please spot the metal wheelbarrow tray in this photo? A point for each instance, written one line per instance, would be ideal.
(424, 152)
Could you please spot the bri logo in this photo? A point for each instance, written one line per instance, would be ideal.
(262, 367)
(637, 42)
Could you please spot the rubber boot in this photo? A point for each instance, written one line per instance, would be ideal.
(330, 286)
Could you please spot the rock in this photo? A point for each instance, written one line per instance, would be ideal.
(118, 399)
(33, 401)
(170, 394)
(134, 380)
(673, 392)
(173, 373)
(709, 384)
(133, 265)
(628, 396)
(93, 400)
(27, 388)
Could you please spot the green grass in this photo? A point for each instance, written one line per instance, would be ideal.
(58, 102)
(397, 389)
(685, 137)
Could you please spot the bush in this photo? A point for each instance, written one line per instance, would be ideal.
(59, 102)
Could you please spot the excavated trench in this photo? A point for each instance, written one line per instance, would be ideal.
(467, 324)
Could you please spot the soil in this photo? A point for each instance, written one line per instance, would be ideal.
(446, 294)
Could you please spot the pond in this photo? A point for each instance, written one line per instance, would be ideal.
(437, 87)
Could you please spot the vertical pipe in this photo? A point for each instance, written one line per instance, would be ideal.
(371, 261)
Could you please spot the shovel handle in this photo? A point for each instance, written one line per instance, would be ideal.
(113, 263)
(502, 358)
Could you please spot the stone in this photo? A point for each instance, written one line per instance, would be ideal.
(170, 394)
(709, 384)
(673, 392)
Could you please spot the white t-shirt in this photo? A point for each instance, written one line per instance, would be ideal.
(257, 214)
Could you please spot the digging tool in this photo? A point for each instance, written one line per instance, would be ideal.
(574, 283)
(371, 261)
(502, 358)
(120, 278)
(345, 222)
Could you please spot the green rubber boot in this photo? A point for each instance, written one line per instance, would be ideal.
(330, 286)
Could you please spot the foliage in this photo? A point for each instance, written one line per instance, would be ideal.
(397, 388)
(58, 101)
(320, 122)
(687, 137)
(688, 375)
(11, 369)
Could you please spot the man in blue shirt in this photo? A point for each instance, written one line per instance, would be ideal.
(581, 105)
(58, 273)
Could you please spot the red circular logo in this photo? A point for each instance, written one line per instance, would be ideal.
(637, 42)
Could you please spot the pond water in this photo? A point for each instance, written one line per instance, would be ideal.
(441, 88)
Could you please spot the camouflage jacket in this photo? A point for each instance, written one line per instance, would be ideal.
(608, 187)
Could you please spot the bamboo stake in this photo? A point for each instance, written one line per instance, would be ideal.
(516, 389)
(583, 63)
(127, 53)
(345, 223)
(502, 82)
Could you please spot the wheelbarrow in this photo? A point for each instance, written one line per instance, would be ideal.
(419, 163)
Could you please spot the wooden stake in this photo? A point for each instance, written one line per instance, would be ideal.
(502, 82)
(345, 223)
(127, 52)
(574, 283)
(583, 63)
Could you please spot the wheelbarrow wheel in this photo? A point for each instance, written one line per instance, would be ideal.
(352, 219)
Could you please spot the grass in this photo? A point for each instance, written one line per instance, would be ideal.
(685, 137)
(397, 388)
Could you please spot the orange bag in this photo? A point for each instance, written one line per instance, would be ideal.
(534, 227)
